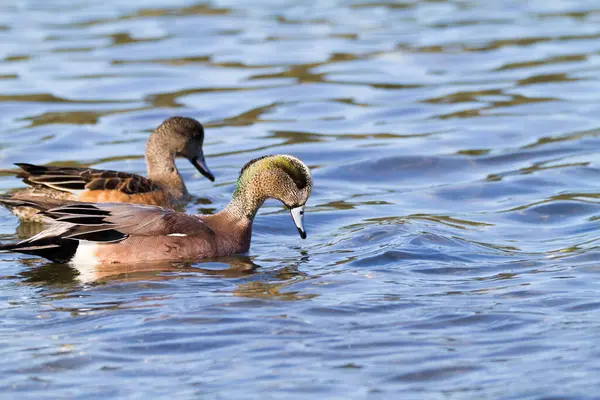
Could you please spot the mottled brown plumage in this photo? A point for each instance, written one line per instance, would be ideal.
(176, 136)
(128, 233)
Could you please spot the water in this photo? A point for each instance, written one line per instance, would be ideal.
(453, 235)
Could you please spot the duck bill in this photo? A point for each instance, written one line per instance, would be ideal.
(201, 166)
(298, 217)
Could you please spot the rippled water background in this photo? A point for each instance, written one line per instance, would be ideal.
(453, 235)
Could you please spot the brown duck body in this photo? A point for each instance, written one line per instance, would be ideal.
(176, 136)
(217, 235)
(145, 193)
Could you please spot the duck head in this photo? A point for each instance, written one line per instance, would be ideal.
(281, 177)
(183, 137)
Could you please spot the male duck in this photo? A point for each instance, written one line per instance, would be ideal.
(176, 136)
(102, 233)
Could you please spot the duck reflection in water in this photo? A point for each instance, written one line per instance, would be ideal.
(269, 283)
(53, 273)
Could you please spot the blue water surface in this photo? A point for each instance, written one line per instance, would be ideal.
(453, 248)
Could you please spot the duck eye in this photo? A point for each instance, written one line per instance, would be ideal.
(302, 212)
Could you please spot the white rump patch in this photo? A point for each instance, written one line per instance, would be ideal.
(85, 254)
(177, 234)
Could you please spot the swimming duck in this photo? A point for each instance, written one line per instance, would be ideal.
(176, 136)
(104, 233)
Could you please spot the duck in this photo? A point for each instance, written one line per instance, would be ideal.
(164, 187)
(84, 233)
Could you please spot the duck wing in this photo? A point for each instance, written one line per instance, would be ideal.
(127, 219)
(101, 223)
(76, 180)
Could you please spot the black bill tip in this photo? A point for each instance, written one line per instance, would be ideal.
(201, 166)
(302, 233)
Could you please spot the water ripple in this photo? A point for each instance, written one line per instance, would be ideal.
(452, 228)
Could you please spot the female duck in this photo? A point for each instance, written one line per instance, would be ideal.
(176, 136)
(86, 233)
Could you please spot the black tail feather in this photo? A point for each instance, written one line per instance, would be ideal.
(76, 221)
(54, 249)
(12, 202)
(31, 169)
(79, 209)
(104, 236)
(84, 220)
(41, 204)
